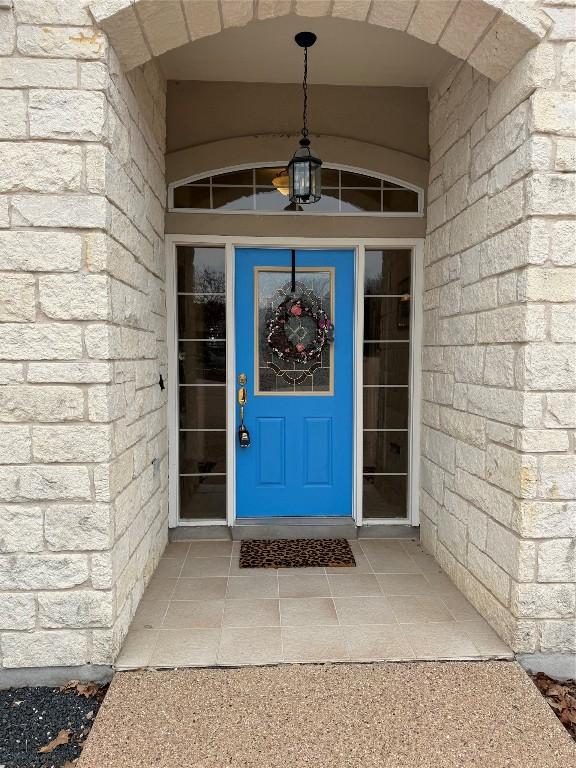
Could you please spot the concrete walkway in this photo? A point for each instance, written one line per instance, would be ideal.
(412, 715)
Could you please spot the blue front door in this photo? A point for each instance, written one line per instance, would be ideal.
(299, 382)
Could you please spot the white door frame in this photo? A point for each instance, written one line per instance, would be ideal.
(359, 246)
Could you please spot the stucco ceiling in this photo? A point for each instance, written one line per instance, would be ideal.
(347, 53)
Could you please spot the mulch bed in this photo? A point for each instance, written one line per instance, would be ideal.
(296, 553)
(47, 727)
(562, 698)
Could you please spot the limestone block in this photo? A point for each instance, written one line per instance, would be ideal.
(429, 19)
(73, 115)
(163, 24)
(81, 372)
(51, 12)
(313, 8)
(481, 295)
(118, 19)
(26, 571)
(500, 141)
(84, 211)
(543, 601)
(14, 444)
(237, 13)
(203, 17)
(74, 443)
(553, 112)
(465, 28)
(557, 477)
(499, 366)
(515, 247)
(357, 10)
(536, 69)
(42, 483)
(94, 76)
(491, 500)
(452, 534)
(392, 14)
(75, 297)
(439, 448)
(548, 366)
(546, 519)
(17, 611)
(508, 288)
(40, 167)
(469, 227)
(552, 193)
(565, 155)
(432, 480)
(44, 649)
(78, 526)
(22, 402)
(42, 341)
(102, 571)
(468, 364)
(557, 636)
(514, 323)
(491, 575)
(11, 373)
(7, 32)
(75, 609)
(516, 556)
(564, 23)
(17, 298)
(34, 73)
(557, 560)
(563, 324)
(511, 471)
(543, 440)
(563, 237)
(547, 284)
(61, 42)
(12, 115)
(503, 45)
(20, 529)
(471, 459)
(500, 433)
(568, 66)
(4, 215)
(40, 251)
(560, 410)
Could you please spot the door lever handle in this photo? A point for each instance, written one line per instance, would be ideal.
(243, 434)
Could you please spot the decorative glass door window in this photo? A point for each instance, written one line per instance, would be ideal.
(201, 288)
(289, 326)
(387, 286)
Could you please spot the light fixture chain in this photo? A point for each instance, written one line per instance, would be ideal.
(305, 89)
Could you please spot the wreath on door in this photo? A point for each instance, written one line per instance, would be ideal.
(298, 331)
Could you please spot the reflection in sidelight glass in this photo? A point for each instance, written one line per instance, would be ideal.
(201, 287)
(387, 286)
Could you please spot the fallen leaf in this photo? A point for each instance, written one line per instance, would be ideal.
(62, 738)
(82, 689)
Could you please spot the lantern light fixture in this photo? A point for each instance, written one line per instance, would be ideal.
(304, 169)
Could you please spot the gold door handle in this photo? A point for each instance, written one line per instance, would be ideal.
(243, 434)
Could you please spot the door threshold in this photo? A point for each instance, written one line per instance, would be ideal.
(295, 528)
(340, 520)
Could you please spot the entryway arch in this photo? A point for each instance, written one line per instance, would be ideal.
(491, 35)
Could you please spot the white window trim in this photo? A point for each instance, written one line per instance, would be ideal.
(282, 163)
(359, 246)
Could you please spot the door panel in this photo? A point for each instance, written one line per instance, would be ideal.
(299, 414)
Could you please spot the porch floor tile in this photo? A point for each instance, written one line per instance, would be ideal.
(202, 609)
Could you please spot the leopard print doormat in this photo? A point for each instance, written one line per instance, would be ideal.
(296, 553)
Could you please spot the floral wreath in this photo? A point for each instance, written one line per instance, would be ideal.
(277, 336)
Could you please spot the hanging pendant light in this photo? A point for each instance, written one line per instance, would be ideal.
(304, 170)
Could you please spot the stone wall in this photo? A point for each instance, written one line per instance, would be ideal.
(499, 410)
(83, 448)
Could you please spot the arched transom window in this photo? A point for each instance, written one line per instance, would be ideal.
(263, 189)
